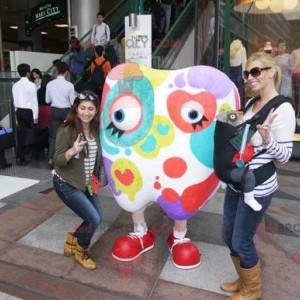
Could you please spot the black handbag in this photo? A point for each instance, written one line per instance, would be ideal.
(7, 138)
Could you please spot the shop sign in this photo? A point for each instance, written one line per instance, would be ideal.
(138, 41)
(46, 12)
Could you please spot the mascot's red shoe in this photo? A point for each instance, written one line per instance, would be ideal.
(185, 254)
(130, 247)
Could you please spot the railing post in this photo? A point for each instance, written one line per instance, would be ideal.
(227, 33)
(137, 7)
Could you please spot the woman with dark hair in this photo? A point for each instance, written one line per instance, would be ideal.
(76, 174)
(76, 60)
(36, 77)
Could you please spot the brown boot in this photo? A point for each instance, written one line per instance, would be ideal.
(235, 286)
(83, 258)
(70, 244)
(251, 284)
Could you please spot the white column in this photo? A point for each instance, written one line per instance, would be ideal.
(83, 14)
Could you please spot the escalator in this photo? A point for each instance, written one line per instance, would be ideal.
(168, 49)
(114, 18)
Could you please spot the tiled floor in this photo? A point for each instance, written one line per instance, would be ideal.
(33, 228)
(4, 296)
(11, 185)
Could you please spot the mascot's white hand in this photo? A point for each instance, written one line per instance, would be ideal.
(264, 129)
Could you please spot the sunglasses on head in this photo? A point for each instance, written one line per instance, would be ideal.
(254, 72)
(87, 96)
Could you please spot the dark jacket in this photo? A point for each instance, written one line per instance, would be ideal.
(77, 61)
(72, 171)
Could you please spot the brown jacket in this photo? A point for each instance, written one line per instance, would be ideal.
(72, 171)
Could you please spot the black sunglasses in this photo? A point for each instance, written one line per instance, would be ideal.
(254, 72)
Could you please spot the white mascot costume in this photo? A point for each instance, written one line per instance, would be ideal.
(157, 137)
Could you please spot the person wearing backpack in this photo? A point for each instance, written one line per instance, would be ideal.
(274, 119)
(100, 35)
(100, 67)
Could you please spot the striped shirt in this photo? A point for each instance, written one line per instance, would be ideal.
(89, 162)
(279, 149)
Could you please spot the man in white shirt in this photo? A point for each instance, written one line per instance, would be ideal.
(27, 110)
(100, 35)
(60, 94)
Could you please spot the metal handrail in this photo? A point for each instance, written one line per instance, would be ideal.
(173, 28)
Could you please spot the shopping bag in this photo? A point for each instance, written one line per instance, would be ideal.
(7, 138)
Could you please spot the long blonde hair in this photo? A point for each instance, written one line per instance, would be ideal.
(268, 61)
(235, 46)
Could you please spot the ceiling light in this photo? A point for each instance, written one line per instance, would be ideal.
(13, 27)
(290, 4)
(276, 6)
(44, 32)
(262, 4)
(61, 25)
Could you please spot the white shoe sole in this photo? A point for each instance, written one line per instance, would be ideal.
(132, 258)
(186, 267)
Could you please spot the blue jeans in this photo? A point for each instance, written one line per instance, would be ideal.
(240, 222)
(84, 205)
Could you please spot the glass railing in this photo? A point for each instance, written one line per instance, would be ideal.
(7, 79)
(115, 20)
(166, 52)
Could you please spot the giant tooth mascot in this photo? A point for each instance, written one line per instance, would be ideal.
(157, 136)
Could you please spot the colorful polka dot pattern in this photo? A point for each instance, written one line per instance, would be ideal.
(157, 130)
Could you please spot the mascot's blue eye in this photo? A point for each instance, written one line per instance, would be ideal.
(193, 114)
(119, 116)
(126, 114)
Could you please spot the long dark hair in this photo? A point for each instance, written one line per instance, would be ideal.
(72, 120)
(37, 71)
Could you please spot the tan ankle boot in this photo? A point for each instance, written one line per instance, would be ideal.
(235, 286)
(83, 258)
(70, 244)
(251, 284)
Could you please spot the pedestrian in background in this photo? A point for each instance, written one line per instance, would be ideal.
(27, 110)
(36, 78)
(77, 59)
(100, 35)
(60, 94)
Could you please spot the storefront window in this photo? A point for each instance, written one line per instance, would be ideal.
(262, 25)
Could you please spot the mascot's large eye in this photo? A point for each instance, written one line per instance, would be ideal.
(125, 114)
(192, 112)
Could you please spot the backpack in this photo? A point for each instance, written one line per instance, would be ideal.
(98, 78)
(224, 151)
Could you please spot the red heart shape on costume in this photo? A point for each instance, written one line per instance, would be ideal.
(126, 177)
(204, 100)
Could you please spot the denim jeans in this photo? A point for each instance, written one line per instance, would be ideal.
(240, 222)
(84, 205)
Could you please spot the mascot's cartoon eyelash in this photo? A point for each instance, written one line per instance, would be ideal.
(115, 129)
(199, 123)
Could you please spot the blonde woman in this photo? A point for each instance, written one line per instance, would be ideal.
(272, 142)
